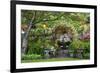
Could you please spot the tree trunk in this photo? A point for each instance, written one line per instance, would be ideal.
(25, 40)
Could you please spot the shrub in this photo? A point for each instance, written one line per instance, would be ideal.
(31, 57)
(35, 47)
(86, 55)
(78, 44)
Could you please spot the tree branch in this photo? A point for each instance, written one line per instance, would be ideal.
(30, 25)
(47, 20)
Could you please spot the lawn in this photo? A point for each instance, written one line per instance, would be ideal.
(50, 60)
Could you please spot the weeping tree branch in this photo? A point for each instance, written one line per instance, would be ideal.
(25, 41)
(46, 20)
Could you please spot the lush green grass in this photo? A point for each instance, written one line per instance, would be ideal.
(50, 60)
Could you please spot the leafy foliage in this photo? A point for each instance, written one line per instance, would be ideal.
(31, 57)
(47, 24)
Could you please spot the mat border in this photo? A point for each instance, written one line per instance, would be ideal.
(13, 35)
